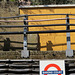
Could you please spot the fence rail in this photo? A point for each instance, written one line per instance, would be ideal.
(22, 26)
(33, 15)
(12, 17)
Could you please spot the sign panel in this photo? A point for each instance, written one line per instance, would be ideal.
(52, 67)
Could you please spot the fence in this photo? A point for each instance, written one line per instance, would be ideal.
(30, 67)
(19, 67)
(25, 52)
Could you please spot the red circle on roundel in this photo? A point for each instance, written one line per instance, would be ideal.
(52, 65)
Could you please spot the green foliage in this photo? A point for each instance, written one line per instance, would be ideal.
(12, 0)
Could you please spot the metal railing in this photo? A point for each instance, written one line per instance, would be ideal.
(19, 67)
(25, 52)
(30, 67)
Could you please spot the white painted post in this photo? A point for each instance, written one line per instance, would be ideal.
(69, 52)
(25, 52)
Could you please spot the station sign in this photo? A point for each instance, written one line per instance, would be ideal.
(52, 67)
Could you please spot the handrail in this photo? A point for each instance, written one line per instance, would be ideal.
(12, 17)
(11, 21)
(21, 26)
(33, 15)
(15, 26)
(36, 32)
(49, 31)
(32, 20)
(46, 20)
(49, 14)
(35, 20)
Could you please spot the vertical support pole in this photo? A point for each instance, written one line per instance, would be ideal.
(25, 52)
(69, 52)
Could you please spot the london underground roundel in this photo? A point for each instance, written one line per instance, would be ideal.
(54, 67)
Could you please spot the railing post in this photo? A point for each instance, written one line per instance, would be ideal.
(69, 52)
(25, 52)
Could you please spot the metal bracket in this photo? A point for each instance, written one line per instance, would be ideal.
(24, 33)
